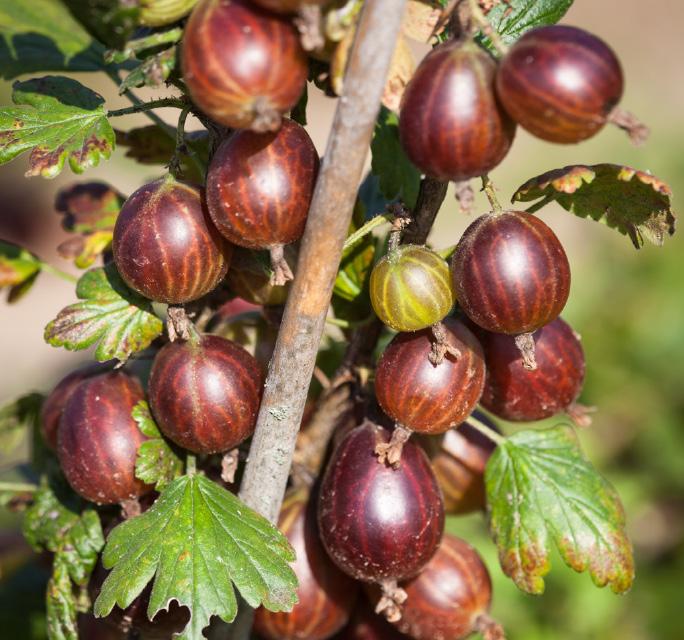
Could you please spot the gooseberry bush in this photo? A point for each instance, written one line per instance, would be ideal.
(212, 296)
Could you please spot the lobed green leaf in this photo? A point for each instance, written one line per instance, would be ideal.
(542, 490)
(110, 314)
(52, 524)
(515, 17)
(112, 22)
(152, 145)
(60, 603)
(58, 120)
(151, 72)
(194, 541)
(156, 462)
(89, 210)
(41, 35)
(635, 203)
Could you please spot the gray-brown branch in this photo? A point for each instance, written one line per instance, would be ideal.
(291, 367)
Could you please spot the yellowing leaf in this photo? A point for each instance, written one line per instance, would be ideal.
(58, 120)
(634, 202)
(542, 490)
(118, 319)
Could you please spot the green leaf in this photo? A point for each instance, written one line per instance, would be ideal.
(514, 17)
(541, 489)
(17, 418)
(152, 145)
(89, 206)
(371, 198)
(60, 603)
(152, 72)
(398, 177)
(110, 21)
(118, 319)
(53, 525)
(76, 539)
(41, 35)
(156, 462)
(196, 539)
(18, 269)
(634, 202)
(57, 119)
(90, 210)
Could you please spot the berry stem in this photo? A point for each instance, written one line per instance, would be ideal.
(490, 192)
(372, 224)
(441, 346)
(447, 252)
(19, 487)
(580, 414)
(180, 326)
(349, 324)
(309, 23)
(58, 272)
(481, 21)
(229, 465)
(525, 344)
(281, 270)
(489, 628)
(390, 452)
(485, 430)
(181, 148)
(151, 115)
(139, 44)
(190, 464)
(130, 508)
(400, 221)
(389, 605)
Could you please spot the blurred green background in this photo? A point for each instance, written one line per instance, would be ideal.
(628, 305)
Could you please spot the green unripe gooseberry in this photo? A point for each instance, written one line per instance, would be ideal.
(410, 288)
(157, 13)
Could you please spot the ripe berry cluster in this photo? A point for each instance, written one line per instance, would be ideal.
(377, 515)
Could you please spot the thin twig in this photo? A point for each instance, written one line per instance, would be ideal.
(151, 115)
(140, 44)
(430, 198)
(490, 192)
(141, 107)
(480, 20)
